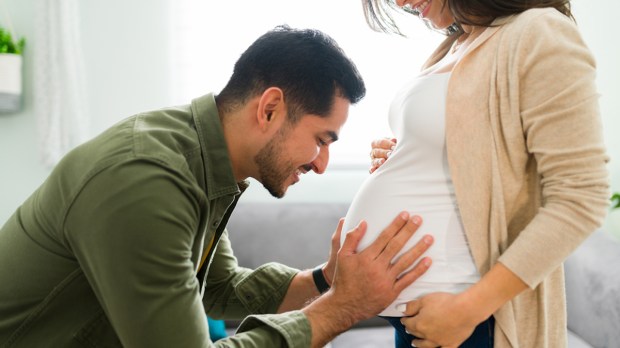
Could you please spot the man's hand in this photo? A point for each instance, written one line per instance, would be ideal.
(370, 275)
(380, 150)
(330, 267)
(366, 282)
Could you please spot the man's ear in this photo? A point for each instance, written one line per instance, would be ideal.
(270, 107)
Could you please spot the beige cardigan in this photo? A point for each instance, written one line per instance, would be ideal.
(528, 162)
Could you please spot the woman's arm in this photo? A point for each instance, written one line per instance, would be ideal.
(553, 83)
(434, 316)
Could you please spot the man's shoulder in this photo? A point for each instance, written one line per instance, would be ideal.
(165, 136)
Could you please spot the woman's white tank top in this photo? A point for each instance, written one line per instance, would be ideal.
(416, 178)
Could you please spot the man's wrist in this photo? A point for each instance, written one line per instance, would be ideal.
(320, 281)
(329, 317)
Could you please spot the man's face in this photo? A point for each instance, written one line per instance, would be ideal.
(299, 148)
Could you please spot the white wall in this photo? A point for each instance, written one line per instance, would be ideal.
(127, 54)
(20, 169)
(126, 59)
(596, 19)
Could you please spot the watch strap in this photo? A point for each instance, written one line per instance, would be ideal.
(319, 279)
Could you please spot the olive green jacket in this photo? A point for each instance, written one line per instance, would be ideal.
(107, 252)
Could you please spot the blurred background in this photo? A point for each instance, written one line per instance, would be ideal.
(88, 64)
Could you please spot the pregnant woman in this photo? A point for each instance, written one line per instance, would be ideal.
(500, 151)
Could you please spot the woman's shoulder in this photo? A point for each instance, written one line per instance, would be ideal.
(538, 27)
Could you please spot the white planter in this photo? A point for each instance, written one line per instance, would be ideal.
(10, 82)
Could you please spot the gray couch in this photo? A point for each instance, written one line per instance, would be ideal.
(298, 235)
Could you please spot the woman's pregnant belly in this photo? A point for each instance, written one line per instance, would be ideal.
(382, 197)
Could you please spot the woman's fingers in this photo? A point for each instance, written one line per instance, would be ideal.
(379, 154)
(380, 151)
(381, 148)
(383, 143)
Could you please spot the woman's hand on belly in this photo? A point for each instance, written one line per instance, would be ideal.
(439, 319)
(380, 150)
(447, 320)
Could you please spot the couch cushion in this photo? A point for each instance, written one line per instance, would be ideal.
(302, 238)
(575, 341)
(593, 290)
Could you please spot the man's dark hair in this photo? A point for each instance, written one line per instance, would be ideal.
(308, 65)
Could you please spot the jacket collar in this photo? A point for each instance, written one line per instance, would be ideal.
(220, 180)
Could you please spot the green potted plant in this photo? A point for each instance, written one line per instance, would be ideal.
(615, 201)
(10, 71)
(612, 223)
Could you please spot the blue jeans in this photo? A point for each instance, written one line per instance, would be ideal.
(482, 337)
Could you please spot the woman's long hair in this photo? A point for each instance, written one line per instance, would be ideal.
(378, 13)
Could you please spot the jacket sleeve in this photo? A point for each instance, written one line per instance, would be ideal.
(236, 292)
(553, 76)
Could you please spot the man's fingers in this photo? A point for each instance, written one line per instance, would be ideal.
(388, 233)
(337, 234)
(409, 277)
(396, 244)
(353, 238)
(408, 258)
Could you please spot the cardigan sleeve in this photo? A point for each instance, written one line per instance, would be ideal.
(554, 73)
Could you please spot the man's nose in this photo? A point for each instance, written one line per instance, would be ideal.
(320, 162)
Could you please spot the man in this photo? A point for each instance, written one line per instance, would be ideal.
(125, 243)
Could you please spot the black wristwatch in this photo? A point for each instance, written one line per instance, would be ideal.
(319, 279)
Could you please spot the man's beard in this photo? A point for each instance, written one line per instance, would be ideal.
(273, 169)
